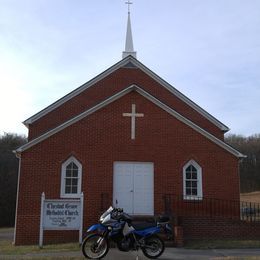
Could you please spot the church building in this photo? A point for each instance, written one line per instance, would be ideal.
(126, 133)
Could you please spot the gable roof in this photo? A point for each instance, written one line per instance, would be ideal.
(128, 62)
(119, 95)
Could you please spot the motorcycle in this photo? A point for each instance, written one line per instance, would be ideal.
(117, 226)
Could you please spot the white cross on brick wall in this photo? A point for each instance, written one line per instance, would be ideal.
(133, 115)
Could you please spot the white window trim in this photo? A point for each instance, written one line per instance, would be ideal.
(199, 195)
(63, 174)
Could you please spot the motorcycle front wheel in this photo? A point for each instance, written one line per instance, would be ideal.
(154, 247)
(95, 246)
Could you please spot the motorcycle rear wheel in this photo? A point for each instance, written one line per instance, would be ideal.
(154, 247)
(95, 246)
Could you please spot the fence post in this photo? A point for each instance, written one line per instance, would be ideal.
(250, 211)
(178, 236)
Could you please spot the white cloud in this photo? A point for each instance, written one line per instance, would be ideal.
(15, 100)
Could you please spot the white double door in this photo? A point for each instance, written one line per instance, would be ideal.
(133, 186)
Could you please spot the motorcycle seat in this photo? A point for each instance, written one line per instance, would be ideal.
(143, 225)
(163, 218)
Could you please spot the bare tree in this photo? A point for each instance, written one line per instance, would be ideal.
(250, 166)
(8, 177)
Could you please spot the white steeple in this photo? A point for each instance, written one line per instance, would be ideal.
(129, 46)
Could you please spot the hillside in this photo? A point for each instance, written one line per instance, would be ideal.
(250, 197)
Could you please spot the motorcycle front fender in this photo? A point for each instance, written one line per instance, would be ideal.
(97, 228)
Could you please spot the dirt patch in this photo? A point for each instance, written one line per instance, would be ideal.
(250, 197)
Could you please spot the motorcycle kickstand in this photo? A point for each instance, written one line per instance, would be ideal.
(137, 255)
(137, 248)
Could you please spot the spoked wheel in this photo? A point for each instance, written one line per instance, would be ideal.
(95, 246)
(154, 247)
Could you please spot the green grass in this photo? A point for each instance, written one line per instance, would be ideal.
(6, 230)
(6, 248)
(222, 244)
(53, 258)
(27, 252)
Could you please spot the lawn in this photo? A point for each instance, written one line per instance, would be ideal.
(30, 252)
(7, 230)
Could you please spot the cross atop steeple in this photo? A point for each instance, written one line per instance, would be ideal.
(129, 46)
(129, 3)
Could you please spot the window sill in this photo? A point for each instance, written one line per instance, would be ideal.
(70, 196)
(192, 198)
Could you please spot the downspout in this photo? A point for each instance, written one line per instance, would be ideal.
(18, 155)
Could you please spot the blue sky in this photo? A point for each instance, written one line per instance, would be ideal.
(207, 49)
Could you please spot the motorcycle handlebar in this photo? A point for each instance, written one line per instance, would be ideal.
(116, 213)
(119, 214)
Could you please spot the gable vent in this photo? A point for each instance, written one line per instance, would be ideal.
(129, 65)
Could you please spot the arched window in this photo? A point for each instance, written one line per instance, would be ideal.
(192, 180)
(71, 172)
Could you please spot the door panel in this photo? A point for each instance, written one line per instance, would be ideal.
(123, 187)
(133, 187)
(143, 189)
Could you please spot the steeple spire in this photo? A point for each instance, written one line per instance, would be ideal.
(129, 46)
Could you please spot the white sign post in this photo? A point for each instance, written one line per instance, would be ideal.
(64, 214)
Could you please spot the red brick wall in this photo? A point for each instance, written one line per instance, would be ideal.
(107, 87)
(102, 138)
(219, 228)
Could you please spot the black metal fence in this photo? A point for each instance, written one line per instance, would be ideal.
(250, 211)
(210, 207)
(204, 207)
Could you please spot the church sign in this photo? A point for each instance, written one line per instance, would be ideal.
(61, 214)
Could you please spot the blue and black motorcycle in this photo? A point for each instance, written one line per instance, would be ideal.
(117, 226)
